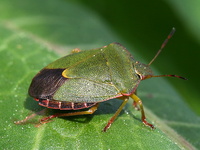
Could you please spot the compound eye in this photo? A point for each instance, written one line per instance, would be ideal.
(139, 76)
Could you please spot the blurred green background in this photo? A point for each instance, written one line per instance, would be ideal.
(34, 33)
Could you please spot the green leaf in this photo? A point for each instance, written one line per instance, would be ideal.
(34, 34)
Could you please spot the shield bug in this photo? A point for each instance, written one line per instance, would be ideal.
(83, 79)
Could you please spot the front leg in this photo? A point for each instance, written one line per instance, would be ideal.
(138, 101)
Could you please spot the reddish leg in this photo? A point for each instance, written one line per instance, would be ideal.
(30, 117)
(139, 102)
(47, 119)
(135, 105)
(116, 114)
(89, 111)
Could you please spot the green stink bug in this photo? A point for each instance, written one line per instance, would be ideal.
(83, 79)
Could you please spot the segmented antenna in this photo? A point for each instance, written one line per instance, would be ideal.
(163, 45)
(161, 48)
(170, 75)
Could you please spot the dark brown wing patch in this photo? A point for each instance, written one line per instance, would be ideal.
(45, 83)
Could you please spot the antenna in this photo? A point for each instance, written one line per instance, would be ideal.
(171, 75)
(163, 45)
(161, 48)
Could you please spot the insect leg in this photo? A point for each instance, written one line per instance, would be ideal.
(125, 100)
(89, 111)
(135, 105)
(30, 117)
(139, 102)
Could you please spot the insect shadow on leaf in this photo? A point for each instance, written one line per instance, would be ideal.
(107, 107)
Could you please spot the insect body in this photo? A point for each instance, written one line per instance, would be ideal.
(84, 79)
